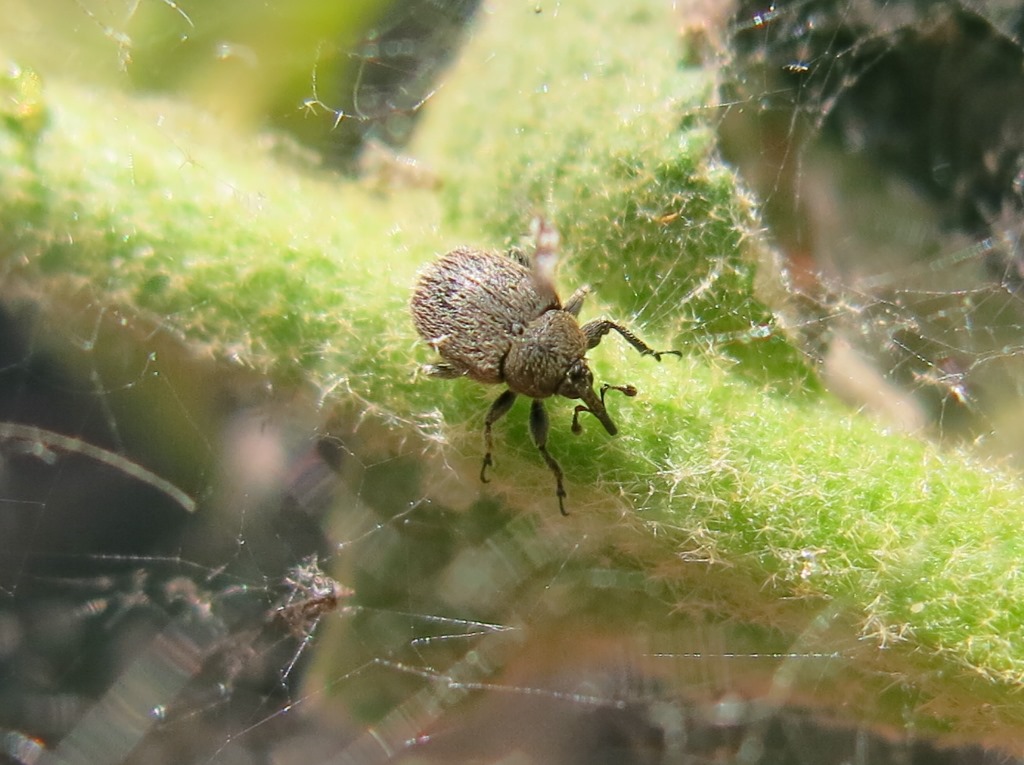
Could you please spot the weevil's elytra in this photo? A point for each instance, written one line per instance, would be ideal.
(470, 304)
(497, 319)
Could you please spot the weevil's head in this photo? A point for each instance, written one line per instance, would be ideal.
(579, 383)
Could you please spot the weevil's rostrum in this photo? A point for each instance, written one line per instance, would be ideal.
(496, 318)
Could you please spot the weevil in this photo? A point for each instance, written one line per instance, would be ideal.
(496, 318)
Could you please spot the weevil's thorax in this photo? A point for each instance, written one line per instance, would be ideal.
(542, 354)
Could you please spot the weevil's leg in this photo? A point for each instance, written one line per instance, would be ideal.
(545, 238)
(539, 431)
(575, 301)
(520, 256)
(595, 330)
(498, 410)
(545, 257)
(444, 370)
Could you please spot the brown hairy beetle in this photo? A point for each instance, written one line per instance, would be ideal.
(497, 319)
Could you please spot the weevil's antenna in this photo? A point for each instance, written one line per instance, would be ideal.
(595, 406)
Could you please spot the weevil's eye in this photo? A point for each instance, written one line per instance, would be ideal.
(578, 379)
